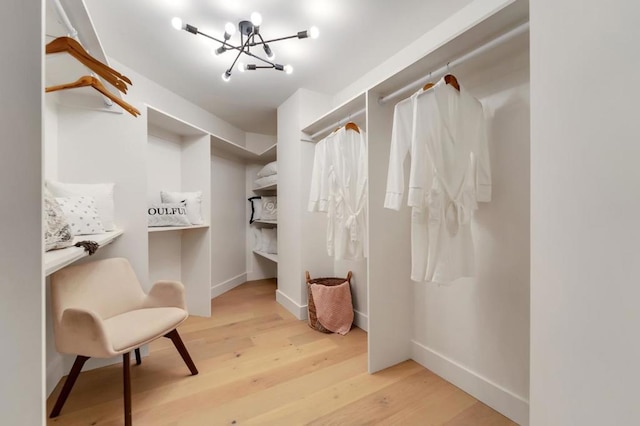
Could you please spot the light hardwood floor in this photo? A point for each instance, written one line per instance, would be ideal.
(260, 366)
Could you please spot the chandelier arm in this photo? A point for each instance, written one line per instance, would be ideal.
(272, 40)
(240, 52)
(224, 43)
(261, 59)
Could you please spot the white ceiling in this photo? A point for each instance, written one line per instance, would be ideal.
(355, 35)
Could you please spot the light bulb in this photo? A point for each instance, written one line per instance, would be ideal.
(314, 32)
(242, 67)
(176, 23)
(226, 76)
(270, 55)
(219, 51)
(229, 29)
(256, 19)
(288, 69)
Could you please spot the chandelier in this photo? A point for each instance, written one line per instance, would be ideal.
(250, 36)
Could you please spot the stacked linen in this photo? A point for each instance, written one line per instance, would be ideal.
(267, 176)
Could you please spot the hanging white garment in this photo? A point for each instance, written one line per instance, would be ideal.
(339, 187)
(401, 146)
(450, 173)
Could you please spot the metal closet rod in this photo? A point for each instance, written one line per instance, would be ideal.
(334, 125)
(412, 87)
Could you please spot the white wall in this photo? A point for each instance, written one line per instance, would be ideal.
(585, 206)
(257, 142)
(482, 323)
(228, 226)
(301, 235)
(50, 145)
(21, 282)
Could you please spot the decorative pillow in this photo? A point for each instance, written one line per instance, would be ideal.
(268, 170)
(256, 209)
(82, 214)
(102, 192)
(193, 201)
(168, 214)
(269, 208)
(57, 232)
(270, 240)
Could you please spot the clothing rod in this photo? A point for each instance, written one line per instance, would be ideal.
(433, 76)
(338, 124)
(73, 33)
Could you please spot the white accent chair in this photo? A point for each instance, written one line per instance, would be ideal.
(100, 310)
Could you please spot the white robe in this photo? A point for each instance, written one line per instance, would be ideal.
(449, 173)
(339, 188)
(401, 146)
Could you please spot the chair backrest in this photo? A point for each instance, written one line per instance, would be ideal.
(107, 287)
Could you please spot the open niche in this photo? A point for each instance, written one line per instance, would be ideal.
(178, 162)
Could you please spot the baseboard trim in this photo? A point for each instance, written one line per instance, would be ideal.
(298, 311)
(361, 320)
(218, 289)
(500, 399)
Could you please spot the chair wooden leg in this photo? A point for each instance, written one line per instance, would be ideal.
(138, 357)
(68, 385)
(126, 379)
(177, 342)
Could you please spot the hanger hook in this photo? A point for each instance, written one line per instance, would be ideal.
(448, 69)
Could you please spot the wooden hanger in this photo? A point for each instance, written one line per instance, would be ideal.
(72, 47)
(427, 87)
(352, 126)
(90, 81)
(451, 80)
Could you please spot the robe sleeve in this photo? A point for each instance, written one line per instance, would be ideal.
(317, 191)
(483, 165)
(400, 145)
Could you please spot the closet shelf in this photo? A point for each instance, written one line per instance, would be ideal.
(271, 187)
(222, 146)
(340, 112)
(176, 228)
(55, 260)
(266, 222)
(270, 256)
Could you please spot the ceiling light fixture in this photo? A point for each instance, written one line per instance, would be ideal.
(250, 36)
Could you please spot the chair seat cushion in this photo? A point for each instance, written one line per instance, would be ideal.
(135, 328)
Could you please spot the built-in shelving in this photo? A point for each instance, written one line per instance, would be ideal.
(55, 260)
(347, 110)
(271, 187)
(270, 256)
(222, 146)
(266, 222)
(176, 228)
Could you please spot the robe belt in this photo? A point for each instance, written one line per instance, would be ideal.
(457, 212)
(351, 223)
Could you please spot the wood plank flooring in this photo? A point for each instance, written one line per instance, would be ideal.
(260, 366)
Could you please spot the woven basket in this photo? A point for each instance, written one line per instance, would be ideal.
(330, 281)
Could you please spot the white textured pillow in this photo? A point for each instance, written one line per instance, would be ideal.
(257, 239)
(102, 192)
(82, 214)
(269, 208)
(269, 240)
(168, 214)
(268, 170)
(193, 201)
(57, 232)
